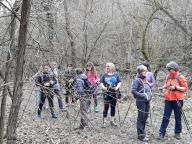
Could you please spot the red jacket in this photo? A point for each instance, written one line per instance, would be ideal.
(172, 95)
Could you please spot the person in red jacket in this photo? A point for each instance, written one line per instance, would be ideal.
(175, 86)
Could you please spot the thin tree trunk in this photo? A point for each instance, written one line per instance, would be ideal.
(3, 101)
(18, 81)
(70, 36)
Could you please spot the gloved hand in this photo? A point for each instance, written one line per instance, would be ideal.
(47, 84)
(147, 96)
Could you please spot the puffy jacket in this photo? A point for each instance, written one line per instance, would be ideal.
(139, 89)
(172, 95)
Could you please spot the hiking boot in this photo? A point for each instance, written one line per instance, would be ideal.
(178, 136)
(81, 127)
(160, 137)
(144, 139)
(96, 109)
(53, 115)
(104, 125)
(64, 110)
(39, 116)
(112, 122)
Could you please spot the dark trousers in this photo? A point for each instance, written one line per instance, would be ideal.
(176, 107)
(109, 100)
(69, 93)
(83, 110)
(143, 112)
(59, 98)
(43, 96)
(93, 94)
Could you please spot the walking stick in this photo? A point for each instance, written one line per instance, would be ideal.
(184, 118)
(118, 112)
(127, 111)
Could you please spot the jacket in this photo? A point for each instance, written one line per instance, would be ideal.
(172, 95)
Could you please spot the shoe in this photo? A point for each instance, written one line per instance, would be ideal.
(79, 128)
(178, 136)
(104, 125)
(112, 122)
(144, 139)
(64, 110)
(54, 115)
(39, 116)
(96, 109)
(161, 137)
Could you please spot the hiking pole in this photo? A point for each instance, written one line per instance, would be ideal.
(184, 118)
(127, 111)
(118, 112)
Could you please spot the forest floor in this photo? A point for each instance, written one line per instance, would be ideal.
(32, 130)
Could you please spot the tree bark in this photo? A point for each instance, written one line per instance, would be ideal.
(4, 99)
(68, 30)
(18, 80)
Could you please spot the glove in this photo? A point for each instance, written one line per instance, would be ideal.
(47, 84)
(147, 96)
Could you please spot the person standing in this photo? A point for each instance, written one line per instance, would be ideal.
(110, 84)
(56, 88)
(92, 77)
(46, 83)
(69, 77)
(175, 86)
(142, 93)
(79, 86)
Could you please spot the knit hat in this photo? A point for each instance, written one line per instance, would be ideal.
(172, 66)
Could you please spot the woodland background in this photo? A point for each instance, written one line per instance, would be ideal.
(125, 32)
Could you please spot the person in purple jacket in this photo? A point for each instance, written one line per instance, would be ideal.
(150, 76)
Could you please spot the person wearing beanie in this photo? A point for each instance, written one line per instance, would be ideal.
(175, 86)
(142, 93)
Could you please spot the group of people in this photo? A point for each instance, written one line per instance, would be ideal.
(81, 84)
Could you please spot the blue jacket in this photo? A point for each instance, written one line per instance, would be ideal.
(139, 89)
(79, 85)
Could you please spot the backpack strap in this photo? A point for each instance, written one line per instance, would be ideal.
(177, 78)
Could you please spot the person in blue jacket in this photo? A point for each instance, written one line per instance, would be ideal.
(142, 93)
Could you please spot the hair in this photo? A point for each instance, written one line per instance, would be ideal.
(112, 65)
(78, 71)
(93, 69)
(141, 68)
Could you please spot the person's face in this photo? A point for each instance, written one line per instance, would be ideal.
(46, 69)
(109, 69)
(88, 67)
(144, 73)
(70, 67)
(53, 65)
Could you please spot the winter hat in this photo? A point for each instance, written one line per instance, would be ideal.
(172, 66)
(78, 71)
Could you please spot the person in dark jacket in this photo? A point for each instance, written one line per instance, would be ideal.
(79, 86)
(46, 83)
(110, 84)
(142, 93)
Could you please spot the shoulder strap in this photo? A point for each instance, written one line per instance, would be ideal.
(177, 78)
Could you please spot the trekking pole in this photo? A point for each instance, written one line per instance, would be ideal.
(127, 111)
(184, 118)
(118, 112)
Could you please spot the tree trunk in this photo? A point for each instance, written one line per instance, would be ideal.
(48, 7)
(68, 30)
(18, 80)
(4, 98)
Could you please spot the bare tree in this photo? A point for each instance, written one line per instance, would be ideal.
(18, 81)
